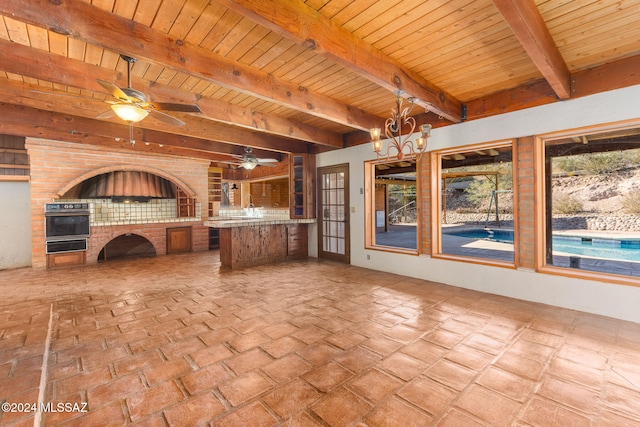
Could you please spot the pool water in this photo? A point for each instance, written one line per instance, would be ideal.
(626, 250)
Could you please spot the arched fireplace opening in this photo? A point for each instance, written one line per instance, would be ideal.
(127, 246)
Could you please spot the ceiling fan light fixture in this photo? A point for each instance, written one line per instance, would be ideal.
(129, 113)
(249, 165)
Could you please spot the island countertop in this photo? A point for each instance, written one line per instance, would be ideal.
(229, 222)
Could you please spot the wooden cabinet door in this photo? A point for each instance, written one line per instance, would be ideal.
(178, 240)
(297, 241)
(66, 259)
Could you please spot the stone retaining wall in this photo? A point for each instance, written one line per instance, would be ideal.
(602, 222)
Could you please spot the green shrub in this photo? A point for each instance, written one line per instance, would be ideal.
(565, 204)
(600, 163)
(567, 164)
(595, 163)
(479, 190)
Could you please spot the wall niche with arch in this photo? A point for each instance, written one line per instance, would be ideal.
(127, 245)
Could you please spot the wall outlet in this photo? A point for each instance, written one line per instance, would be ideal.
(368, 256)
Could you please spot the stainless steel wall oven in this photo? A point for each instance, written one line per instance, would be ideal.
(66, 226)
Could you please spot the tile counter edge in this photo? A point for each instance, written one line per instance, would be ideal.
(230, 223)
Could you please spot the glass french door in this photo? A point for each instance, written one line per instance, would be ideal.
(333, 213)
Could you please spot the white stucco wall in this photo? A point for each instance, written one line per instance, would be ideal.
(619, 301)
(15, 225)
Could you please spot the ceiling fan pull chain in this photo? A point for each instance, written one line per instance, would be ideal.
(131, 140)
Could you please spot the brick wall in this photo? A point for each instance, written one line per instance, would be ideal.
(424, 203)
(525, 192)
(155, 233)
(55, 164)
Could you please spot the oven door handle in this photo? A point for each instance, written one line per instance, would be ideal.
(67, 213)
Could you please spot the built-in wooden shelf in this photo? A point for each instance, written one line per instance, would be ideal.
(16, 178)
(14, 160)
(214, 190)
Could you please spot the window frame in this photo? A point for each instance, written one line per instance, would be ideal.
(436, 202)
(370, 211)
(541, 265)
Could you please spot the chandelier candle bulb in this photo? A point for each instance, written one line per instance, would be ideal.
(377, 145)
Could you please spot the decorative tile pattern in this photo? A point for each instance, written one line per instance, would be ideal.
(175, 340)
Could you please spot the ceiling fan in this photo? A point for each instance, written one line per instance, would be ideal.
(249, 160)
(132, 106)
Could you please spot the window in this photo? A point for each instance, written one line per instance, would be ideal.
(475, 207)
(590, 201)
(392, 206)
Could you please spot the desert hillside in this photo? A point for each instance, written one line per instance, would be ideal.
(606, 201)
(603, 193)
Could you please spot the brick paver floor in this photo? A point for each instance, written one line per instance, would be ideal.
(176, 341)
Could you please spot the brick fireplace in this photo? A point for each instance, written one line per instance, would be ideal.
(56, 167)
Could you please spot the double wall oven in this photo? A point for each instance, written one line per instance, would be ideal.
(66, 227)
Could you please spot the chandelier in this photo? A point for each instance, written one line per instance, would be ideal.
(393, 131)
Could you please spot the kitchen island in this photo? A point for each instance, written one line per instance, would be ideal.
(248, 242)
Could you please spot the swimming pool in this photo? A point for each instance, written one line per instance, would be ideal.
(617, 249)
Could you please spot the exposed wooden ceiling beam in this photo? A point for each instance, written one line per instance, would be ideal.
(23, 94)
(56, 133)
(36, 123)
(530, 29)
(526, 96)
(45, 66)
(627, 142)
(82, 21)
(613, 75)
(297, 21)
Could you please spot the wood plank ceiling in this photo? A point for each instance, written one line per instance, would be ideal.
(287, 76)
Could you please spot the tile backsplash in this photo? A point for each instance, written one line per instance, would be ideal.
(260, 212)
(105, 211)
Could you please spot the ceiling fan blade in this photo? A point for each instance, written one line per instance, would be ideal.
(170, 106)
(269, 165)
(106, 115)
(166, 118)
(267, 161)
(114, 90)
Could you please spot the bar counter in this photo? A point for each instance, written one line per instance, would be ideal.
(248, 242)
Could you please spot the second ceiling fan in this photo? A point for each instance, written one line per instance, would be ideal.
(249, 160)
